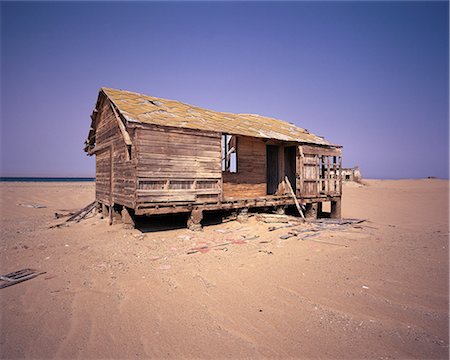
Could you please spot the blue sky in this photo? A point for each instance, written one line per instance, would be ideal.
(371, 76)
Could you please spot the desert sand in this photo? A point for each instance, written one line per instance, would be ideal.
(377, 290)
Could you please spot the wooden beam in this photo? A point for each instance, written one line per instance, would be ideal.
(328, 183)
(294, 197)
(123, 130)
(319, 150)
(97, 149)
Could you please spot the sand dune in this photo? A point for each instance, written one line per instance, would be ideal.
(379, 290)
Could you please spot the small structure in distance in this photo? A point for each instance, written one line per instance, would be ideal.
(351, 174)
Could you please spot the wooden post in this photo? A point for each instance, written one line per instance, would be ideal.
(111, 181)
(242, 215)
(318, 183)
(319, 210)
(195, 218)
(117, 216)
(299, 171)
(280, 210)
(127, 219)
(110, 214)
(104, 210)
(336, 209)
(311, 211)
(335, 175)
(328, 186)
(294, 197)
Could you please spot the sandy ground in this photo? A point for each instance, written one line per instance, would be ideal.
(379, 290)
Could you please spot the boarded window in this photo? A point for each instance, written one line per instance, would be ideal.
(229, 153)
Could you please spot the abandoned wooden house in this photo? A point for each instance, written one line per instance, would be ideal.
(158, 156)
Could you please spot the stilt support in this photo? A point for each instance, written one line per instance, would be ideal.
(117, 216)
(311, 211)
(127, 219)
(242, 215)
(280, 210)
(194, 221)
(104, 211)
(336, 209)
(110, 214)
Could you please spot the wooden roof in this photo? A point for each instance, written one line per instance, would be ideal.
(141, 108)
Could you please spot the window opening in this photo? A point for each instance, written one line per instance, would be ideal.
(229, 153)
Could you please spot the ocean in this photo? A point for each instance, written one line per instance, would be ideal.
(46, 179)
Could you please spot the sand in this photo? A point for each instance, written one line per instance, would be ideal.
(378, 290)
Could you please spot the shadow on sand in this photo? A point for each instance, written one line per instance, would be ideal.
(147, 224)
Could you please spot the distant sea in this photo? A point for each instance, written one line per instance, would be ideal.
(45, 179)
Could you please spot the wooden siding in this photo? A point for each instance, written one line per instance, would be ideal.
(115, 168)
(177, 165)
(250, 179)
(102, 176)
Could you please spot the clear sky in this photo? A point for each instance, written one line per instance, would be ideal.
(371, 76)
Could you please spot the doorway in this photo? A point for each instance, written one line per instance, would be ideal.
(272, 169)
(290, 159)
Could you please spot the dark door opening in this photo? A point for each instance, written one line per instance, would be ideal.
(290, 155)
(272, 169)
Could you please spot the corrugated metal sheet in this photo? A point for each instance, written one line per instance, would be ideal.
(152, 110)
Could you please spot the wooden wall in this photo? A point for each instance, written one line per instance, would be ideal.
(177, 165)
(250, 179)
(111, 146)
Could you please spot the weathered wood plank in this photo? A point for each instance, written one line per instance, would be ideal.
(125, 135)
(320, 150)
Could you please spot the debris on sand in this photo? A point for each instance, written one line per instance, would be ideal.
(273, 228)
(59, 215)
(34, 206)
(266, 252)
(248, 238)
(201, 249)
(223, 231)
(329, 243)
(329, 221)
(221, 245)
(275, 218)
(81, 214)
(18, 276)
(78, 215)
(314, 227)
(287, 236)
